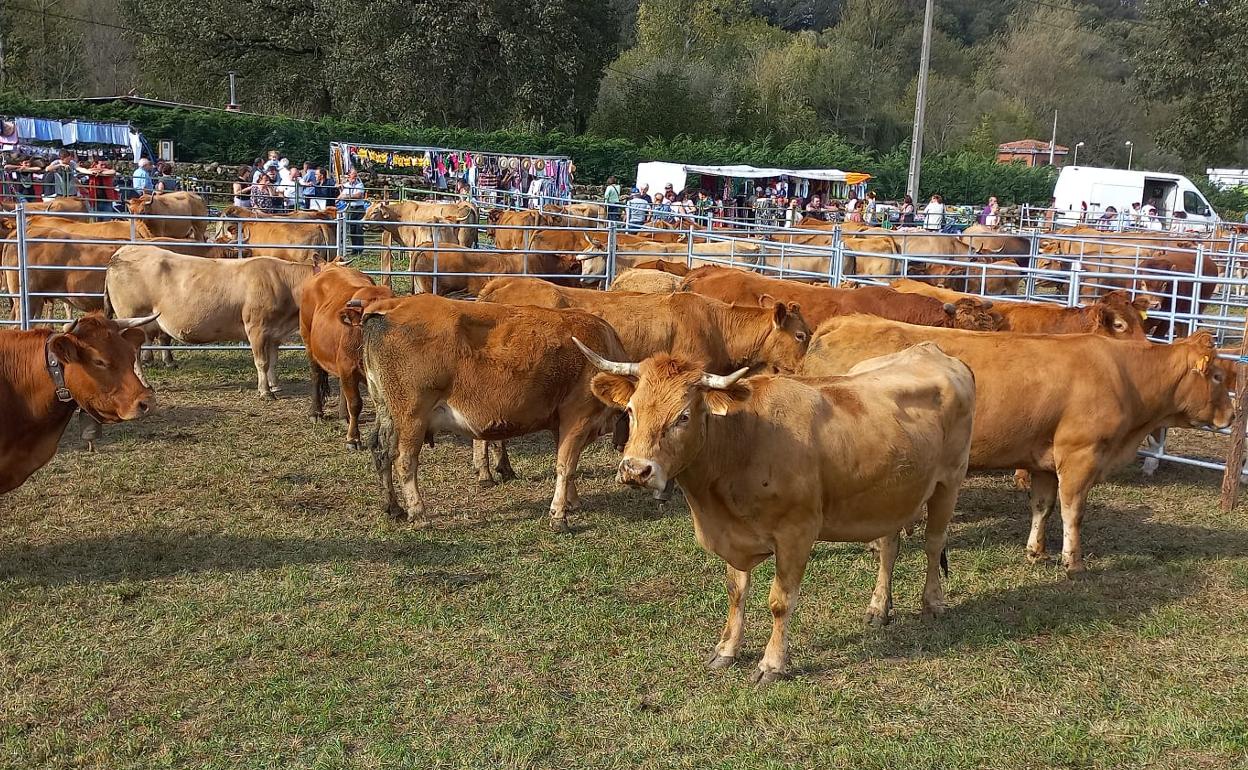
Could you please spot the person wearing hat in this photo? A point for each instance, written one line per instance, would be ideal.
(638, 208)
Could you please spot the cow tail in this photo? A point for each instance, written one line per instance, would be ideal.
(944, 562)
(108, 300)
(383, 440)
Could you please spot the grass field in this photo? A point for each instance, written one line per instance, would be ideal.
(216, 588)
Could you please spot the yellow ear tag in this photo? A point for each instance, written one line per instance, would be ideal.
(1144, 314)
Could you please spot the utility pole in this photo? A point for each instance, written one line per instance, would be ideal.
(920, 107)
(1053, 141)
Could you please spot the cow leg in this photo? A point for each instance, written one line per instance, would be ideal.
(354, 401)
(260, 356)
(1073, 486)
(320, 386)
(91, 430)
(481, 463)
(166, 355)
(939, 513)
(791, 559)
(571, 442)
(880, 610)
(270, 366)
(725, 653)
(409, 465)
(387, 258)
(502, 467)
(1043, 497)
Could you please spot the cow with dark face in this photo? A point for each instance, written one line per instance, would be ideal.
(45, 376)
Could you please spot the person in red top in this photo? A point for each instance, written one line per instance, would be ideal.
(101, 191)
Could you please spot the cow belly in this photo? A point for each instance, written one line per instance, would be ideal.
(877, 513)
(447, 419)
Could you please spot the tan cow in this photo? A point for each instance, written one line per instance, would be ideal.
(502, 222)
(647, 282)
(771, 465)
(1069, 408)
(411, 223)
(180, 203)
(61, 203)
(276, 236)
(201, 300)
(333, 343)
(488, 371)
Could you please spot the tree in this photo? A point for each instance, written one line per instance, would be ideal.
(1192, 59)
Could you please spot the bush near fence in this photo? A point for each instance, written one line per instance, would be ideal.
(211, 136)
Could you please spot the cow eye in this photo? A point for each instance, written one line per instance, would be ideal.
(683, 418)
(99, 363)
(1217, 376)
(800, 337)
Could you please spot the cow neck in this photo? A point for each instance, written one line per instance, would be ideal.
(1161, 370)
(25, 363)
(744, 330)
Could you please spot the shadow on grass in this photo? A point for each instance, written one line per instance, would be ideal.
(166, 553)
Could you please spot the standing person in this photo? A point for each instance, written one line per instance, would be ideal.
(101, 186)
(535, 192)
(305, 186)
(141, 179)
(992, 213)
(853, 210)
(242, 187)
(1137, 215)
(793, 213)
(1108, 221)
(65, 175)
(871, 211)
(323, 190)
(815, 210)
(704, 205)
(662, 210)
(907, 211)
(165, 181)
(351, 201)
(934, 214)
(611, 198)
(266, 194)
(286, 186)
(638, 209)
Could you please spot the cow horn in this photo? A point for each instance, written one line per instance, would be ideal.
(584, 256)
(722, 382)
(610, 367)
(950, 308)
(130, 323)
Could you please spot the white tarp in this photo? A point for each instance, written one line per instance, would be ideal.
(659, 173)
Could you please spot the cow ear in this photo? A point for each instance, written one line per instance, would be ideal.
(1145, 303)
(779, 312)
(66, 347)
(136, 337)
(351, 316)
(766, 300)
(721, 402)
(612, 389)
(950, 308)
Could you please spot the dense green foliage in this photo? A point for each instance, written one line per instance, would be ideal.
(234, 138)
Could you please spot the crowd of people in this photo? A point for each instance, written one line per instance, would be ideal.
(277, 186)
(33, 179)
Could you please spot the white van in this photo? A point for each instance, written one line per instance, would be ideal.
(1101, 188)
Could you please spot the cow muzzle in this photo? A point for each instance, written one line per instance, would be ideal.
(642, 474)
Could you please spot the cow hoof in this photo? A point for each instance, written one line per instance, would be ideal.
(932, 613)
(315, 419)
(506, 475)
(91, 447)
(717, 661)
(354, 445)
(877, 619)
(559, 524)
(171, 364)
(1150, 466)
(395, 512)
(762, 677)
(1037, 557)
(485, 483)
(1076, 573)
(267, 397)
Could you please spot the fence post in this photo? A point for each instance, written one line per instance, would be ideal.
(612, 230)
(340, 245)
(1033, 259)
(1076, 267)
(1235, 454)
(23, 280)
(838, 256)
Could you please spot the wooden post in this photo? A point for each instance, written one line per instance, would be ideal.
(1235, 455)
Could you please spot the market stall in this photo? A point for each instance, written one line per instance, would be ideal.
(515, 179)
(729, 182)
(90, 141)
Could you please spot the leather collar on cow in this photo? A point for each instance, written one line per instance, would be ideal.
(56, 370)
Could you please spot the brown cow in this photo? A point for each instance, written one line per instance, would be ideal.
(334, 345)
(771, 465)
(820, 302)
(269, 235)
(179, 203)
(45, 376)
(483, 370)
(1113, 315)
(1175, 294)
(471, 270)
(1090, 401)
(502, 222)
(252, 300)
(411, 223)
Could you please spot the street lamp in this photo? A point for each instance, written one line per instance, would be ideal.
(1077, 146)
(1130, 151)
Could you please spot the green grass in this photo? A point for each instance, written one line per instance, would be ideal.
(216, 588)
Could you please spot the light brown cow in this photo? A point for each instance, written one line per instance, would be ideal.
(647, 282)
(819, 303)
(771, 465)
(200, 300)
(95, 359)
(1069, 408)
(276, 236)
(179, 203)
(411, 223)
(61, 203)
(483, 370)
(333, 343)
(503, 220)
(1113, 315)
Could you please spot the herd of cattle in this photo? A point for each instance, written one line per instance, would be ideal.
(786, 412)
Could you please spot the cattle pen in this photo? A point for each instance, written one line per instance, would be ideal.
(216, 585)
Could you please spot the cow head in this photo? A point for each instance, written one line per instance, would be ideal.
(594, 258)
(1203, 394)
(141, 204)
(101, 370)
(785, 346)
(1117, 315)
(973, 314)
(667, 402)
(380, 211)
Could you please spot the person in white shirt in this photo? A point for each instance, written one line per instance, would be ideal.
(353, 204)
(934, 214)
(535, 193)
(286, 183)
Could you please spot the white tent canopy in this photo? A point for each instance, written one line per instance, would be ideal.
(659, 173)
